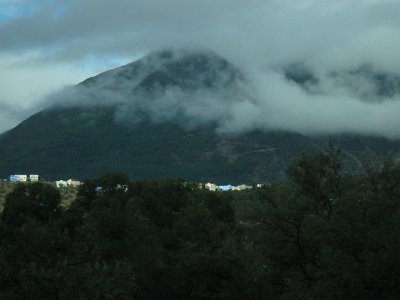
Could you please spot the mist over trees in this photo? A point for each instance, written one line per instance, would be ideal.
(320, 234)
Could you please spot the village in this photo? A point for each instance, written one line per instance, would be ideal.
(35, 178)
(75, 183)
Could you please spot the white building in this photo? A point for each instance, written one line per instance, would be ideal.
(33, 177)
(241, 187)
(73, 183)
(69, 182)
(122, 187)
(20, 178)
(60, 183)
(211, 187)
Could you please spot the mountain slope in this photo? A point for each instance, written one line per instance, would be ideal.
(106, 131)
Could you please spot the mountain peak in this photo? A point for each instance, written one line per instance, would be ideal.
(187, 69)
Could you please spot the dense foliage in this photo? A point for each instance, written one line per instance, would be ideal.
(320, 234)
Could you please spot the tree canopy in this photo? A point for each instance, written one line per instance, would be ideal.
(319, 234)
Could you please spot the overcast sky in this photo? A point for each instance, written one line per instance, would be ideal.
(49, 44)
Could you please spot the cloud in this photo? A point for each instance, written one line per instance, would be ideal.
(323, 32)
(24, 84)
(347, 102)
(262, 37)
(282, 105)
(10, 115)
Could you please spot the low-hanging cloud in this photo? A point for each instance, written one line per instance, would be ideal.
(334, 40)
(11, 114)
(258, 100)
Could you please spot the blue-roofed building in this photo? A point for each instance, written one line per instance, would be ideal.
(22, 178)
(225, 188)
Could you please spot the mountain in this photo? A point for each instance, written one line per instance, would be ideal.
(120, 120)
(364, 82)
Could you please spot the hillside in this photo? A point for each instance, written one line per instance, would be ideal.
(111, 126)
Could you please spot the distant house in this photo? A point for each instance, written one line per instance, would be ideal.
(122, 187)
(225, 188)
(60, 183)
(73, 183)
(211, 187)
(69, 182)
(241, 187)
(20, 178)
(33, 177)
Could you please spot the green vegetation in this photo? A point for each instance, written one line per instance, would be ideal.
(68, 194)
(320, 234)
(5, 188)
(88, 142)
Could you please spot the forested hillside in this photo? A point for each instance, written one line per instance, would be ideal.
(320, 234)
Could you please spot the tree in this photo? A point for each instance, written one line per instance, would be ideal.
(38, 200)
(319, 177)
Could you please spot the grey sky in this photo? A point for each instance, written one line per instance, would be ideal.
(46, 45)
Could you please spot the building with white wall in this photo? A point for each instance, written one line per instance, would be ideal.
(73, 183)
(241, 187)
(33, 177)
(69, 182)
(60, 183)
(211, 187)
